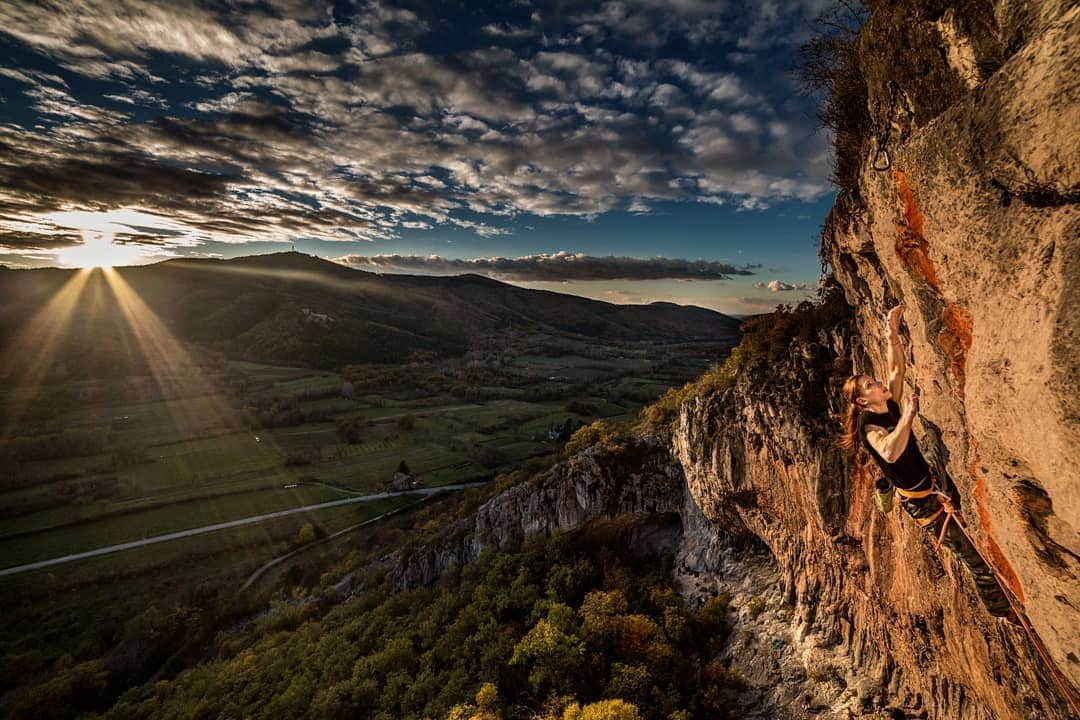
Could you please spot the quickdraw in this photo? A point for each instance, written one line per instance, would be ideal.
(884, 127)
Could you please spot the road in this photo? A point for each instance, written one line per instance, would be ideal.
(278, 560)
(232, 523)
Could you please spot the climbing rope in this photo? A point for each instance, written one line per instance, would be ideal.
(952, 514)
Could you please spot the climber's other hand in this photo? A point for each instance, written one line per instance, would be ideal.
(911, 406)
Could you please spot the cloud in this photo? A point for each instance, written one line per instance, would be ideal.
(503, 30)
(560, 266)
(343, 121)
(780, 286)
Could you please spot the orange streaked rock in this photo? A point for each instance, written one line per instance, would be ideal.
(981, 501)
(911, 245)
(955, 339)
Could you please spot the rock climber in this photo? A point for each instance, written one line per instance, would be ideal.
(884, 429)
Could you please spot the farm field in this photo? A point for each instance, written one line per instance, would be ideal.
(255, 438)
(76, 607)
(106, 461)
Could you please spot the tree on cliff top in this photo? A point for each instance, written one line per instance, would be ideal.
(828, 72)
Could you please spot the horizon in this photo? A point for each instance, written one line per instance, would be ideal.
(347, 266)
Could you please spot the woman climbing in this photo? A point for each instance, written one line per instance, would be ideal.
(884, 429)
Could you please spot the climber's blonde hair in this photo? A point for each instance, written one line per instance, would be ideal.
(849, 420)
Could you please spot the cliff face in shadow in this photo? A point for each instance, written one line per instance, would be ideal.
(974, 228)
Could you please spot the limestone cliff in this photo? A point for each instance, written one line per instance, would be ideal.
(974, 227)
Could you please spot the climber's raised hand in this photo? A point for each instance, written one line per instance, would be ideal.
(891, 321)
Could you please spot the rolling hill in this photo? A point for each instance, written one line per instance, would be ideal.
(296, 308)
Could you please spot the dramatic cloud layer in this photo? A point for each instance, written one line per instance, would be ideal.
(560, 266)
(173, 124)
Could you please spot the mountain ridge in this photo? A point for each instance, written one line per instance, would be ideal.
(293, 307)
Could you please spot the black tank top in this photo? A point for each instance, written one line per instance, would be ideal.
(910, 469)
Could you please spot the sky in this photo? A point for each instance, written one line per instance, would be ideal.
(629, 150)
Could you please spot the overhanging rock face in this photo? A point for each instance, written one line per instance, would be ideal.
(975, 228)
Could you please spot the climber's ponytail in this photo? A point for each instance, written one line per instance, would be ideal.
(849, 420)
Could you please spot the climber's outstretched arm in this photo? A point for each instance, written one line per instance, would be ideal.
(895, 354)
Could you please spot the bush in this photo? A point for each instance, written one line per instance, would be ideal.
(599, 432)
(767, 339)
(828, 70)
(660, 416)
(603, 710)
(306, 534)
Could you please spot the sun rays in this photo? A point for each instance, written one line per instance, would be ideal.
(101, 306)
(28, 358)
(99, 250)
(172, 368)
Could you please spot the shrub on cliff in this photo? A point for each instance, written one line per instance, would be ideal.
(767, 340)
(660, 416)
(606, 433)
(829, 73)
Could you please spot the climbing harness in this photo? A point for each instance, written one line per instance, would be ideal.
(884, 126)
(946, 505)
(1014, 603)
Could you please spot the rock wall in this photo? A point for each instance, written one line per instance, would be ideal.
(975, 228)
(636, 488)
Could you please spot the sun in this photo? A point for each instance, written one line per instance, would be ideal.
(98, 251)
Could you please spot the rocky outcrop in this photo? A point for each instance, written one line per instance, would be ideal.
(634, 487)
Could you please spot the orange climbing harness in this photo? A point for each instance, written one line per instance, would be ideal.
(952, 514)
(946, 506)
